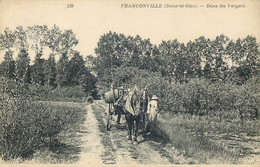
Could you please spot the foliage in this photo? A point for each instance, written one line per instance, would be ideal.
(50, 72)
(23, 67)
(217, 78)
(90, 99)
(38, 70)
(7, 67)
(206, 139)
(24, 124)
(70, 70)
(217, 60)
(194, 78)
(198, 96)
(75, 93)
(115, 50)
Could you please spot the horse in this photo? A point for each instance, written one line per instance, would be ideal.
(134, 109)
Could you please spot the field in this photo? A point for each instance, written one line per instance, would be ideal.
(177, 138)
(67, 146)
(50, 108)
(210, 141)
(55, 138)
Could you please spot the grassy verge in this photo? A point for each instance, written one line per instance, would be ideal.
(67, 146)
(44, 132)
(28, 125)
(209, 141)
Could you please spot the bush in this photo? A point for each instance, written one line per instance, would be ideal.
(197, 97)
(75, 93)
(190, 137)
(200, 97)
(90, 99)
(25, 125)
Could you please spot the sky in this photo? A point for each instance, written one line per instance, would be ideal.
(90, 19)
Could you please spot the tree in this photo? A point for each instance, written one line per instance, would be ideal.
(7, 42)
(76, 68)
(220, 68)
(109, 52)
(183, 65)
(53, 39)
(50, 71)
(38, 35)
(8, 65)
(244, 54)
(38, 69)
(136, 52)
(78, 74)
(22, 39)
(62, 70)
(116, 50)
(88, 82)
(155, 59)
(200, 54)
(23, 67)
(60, 43)
(251, 55)
(171, 59)
(207, 71)
(67, 41)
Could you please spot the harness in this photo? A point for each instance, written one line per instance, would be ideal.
(128, 105)
(137, 108)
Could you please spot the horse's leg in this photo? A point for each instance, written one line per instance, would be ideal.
(118, 117)
(129, 131)
(144, 122)
(133, 129)
(137, 121)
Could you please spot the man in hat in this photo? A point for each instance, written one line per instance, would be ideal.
(120, 103)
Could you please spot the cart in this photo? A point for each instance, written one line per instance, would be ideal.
(116, 94)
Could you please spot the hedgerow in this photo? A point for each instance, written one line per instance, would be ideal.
(25, 125)
(198, 96)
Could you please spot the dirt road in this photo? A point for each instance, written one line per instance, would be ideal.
(111, 147)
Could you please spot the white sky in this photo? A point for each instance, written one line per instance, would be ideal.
(90, 19)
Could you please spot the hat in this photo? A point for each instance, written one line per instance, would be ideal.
(121, 87)
(154, 97)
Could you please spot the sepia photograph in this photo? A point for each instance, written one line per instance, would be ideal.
(129, 83)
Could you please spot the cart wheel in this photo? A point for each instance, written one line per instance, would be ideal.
(108, 118)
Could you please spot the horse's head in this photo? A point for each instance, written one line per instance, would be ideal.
(137, 102)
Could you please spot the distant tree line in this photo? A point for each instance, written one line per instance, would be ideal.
(69, 71)
(213, 77)
(220, 59)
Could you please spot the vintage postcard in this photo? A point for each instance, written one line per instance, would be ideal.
(129, 83)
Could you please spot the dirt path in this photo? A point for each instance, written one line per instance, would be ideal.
(91, 148)
(111, 147)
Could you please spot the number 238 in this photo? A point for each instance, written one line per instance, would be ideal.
(70, 5)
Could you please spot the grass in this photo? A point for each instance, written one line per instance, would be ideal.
(28, 125)
(66, 148)
(45, 132)
(207, 140)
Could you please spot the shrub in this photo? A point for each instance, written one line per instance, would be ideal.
(90, 99)
(25, 125)
(190, 137)
(198, 96)
(75, 93)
